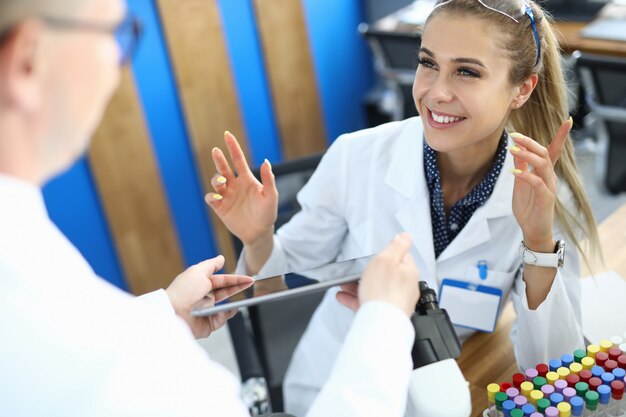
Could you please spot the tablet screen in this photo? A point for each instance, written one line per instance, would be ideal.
(282, 286)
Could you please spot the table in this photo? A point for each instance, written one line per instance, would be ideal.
(500, 365)
(567, 32)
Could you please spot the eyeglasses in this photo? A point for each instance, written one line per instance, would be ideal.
(127, 33)
(525, 10)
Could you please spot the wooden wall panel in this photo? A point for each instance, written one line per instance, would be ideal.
(292, 78)
(198, 51)
(123, 162)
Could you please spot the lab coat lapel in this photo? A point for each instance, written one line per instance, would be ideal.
(477, 230)
(406, 176)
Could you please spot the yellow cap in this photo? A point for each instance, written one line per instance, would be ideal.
(575, 368)
(592, 350)
(587, 362)
(563, 372)
(565, 410)
(526, 387)
(535, 395)
(492, 390)
(551, 377)
(605, 345)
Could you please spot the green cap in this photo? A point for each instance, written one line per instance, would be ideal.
(581, 389)
(500, 398)
(591, 399)
(539, 382)
(542, 404)
(516, 412)
(579, 354)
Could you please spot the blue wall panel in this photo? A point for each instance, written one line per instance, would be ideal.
(157, 89)
(342, 60)
(248, 66)
(75, 208)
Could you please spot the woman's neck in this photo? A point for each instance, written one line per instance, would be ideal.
(462, 170)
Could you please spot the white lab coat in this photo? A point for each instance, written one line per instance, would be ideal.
(369, 186)
(72, 345)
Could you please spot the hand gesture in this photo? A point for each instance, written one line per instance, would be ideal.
(247, 207)
(534, 192)
(391, 277)
(198, 281)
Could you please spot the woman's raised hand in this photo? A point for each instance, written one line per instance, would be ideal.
(247, 207)
(534, 193)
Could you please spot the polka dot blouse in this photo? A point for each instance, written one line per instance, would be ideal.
(446, 229)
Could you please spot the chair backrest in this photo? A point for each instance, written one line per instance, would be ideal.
(604, 81)
(276, 327)
(395, 58)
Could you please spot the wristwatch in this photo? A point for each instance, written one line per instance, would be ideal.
(549, 260)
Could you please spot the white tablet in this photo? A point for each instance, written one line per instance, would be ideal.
(279, 287)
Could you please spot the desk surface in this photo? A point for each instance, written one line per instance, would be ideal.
(499, 365)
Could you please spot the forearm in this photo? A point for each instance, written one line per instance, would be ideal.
(258, 252)
(538, 279)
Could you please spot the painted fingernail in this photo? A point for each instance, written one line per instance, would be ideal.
(571, 122)
(514, 149)
(516, 171)
(216, 196)
(221, 180)
(227, 133)
(516, 135)
(268, 163)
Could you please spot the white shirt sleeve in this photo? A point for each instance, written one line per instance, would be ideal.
(372, 372)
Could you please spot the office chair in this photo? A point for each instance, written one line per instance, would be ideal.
(265, 336)
(395, 60)
(604, 81)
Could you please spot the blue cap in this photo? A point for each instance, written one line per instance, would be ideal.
(607, 378)
(528, 409)
(556, 398)
(597, 371)
(554, 364)
(507, 406)
(577, 404)
(567, 360)
(604, 391)
(619, 373)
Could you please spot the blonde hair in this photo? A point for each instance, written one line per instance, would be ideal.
(547, 108)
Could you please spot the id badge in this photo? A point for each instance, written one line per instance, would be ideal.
(470, 305)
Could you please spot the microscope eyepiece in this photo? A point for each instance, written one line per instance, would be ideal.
(427, 300)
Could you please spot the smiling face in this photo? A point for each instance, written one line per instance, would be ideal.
(462, 88)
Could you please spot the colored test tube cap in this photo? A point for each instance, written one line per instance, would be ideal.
(587, 362)
(542, 404)
(568, 393)
(614, 353)
(517, 413)
(552, 412)
(601, 358)
(573, 379)
(556, 398)
(563, 372)
(591, 400)
(592, 350)
(512, 392)
(579, 354)
(535, 395)
(547, 390)
(520, 400)
(621, 361)
(575, 368)
(619, 373)
(610, 365)
(604, 391)
(531, 373)
(518, 379)
(565, 409)
(551, 377)
(560, 385)
(554, 364)
(542, 369)
(526, 387)
(605, 345)
(539, 382)
(585, 375)
(607, 378)
(597, 371)
(581, 389)
(594, 383)
(500, 398)
(567, 359)
(492, 390)
(617, 389)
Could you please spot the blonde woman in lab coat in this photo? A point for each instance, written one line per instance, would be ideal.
(465, 189)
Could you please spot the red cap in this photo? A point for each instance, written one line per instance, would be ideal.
(614, 353)
(518, 379)
(594, 383)
(621, 361)
(572, 380)
(505, 386)
(585, 375)
(617, 389)
(610, 365)
(601, 357)
(542, 369)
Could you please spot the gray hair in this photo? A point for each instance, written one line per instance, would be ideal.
(13, 11)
